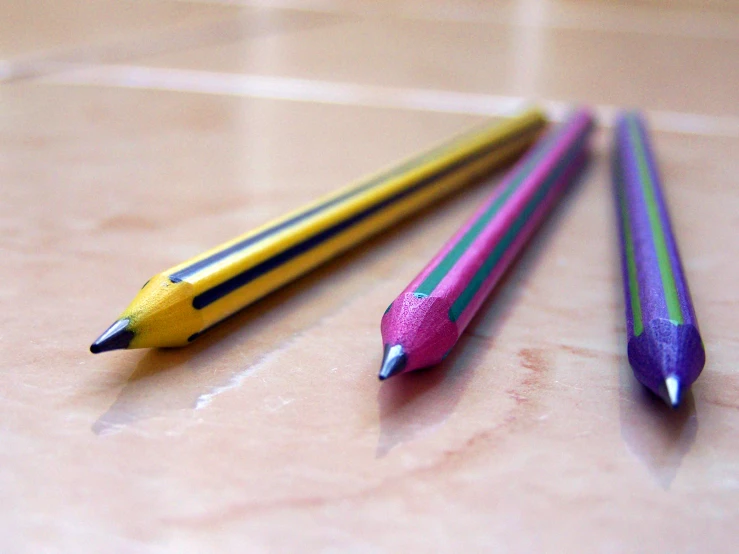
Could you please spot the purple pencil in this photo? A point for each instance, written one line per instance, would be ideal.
(664, 345)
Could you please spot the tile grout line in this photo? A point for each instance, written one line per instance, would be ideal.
(215, 31)
(666, 22)
(352, 94)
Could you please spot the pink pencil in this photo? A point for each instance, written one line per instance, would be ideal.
(424, 323)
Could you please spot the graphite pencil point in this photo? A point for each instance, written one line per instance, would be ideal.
(674, 391)
(393, 361)
(116, 337)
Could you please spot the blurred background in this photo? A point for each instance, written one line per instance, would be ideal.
(666, 56)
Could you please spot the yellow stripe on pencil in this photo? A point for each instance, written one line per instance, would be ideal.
(174, 307)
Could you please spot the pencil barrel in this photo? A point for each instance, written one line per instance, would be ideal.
(664, 346)
(252, 269)
(460, 277)
(655, 286)
(177, 305)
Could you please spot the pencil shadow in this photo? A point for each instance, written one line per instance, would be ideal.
(171, 379)
(168, 380)
(654, 433)
(415, 404)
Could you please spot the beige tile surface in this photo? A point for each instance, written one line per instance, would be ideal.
(564, 64)
(42, 26)
(271, 433)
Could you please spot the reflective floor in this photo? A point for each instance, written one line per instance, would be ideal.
(137, 134)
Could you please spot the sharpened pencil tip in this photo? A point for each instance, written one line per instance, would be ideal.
(674, 391)
(393, 361)
(116, 337)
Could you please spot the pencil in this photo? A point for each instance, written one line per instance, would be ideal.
(423, 324)
(179, 304)
(665, 348)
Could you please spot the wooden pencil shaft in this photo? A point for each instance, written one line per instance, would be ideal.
(664, 344)
(426, 320)
(177, 305)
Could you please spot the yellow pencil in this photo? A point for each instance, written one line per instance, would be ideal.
(176, 306)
